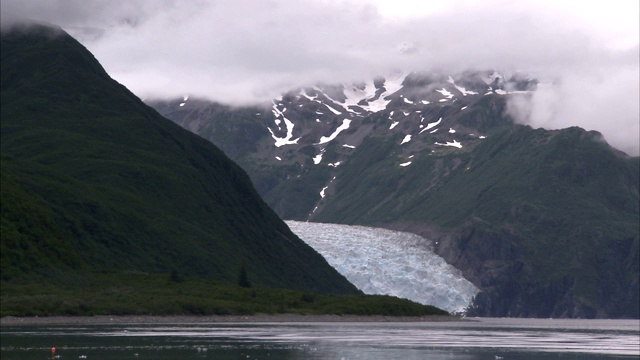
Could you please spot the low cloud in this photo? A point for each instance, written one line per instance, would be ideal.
(244, 51)
(603, 98)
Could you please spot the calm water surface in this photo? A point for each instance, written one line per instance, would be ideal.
(475, 339)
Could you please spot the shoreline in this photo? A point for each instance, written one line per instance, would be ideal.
(215, 319)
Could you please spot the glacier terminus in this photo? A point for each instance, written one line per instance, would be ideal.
(386, 262)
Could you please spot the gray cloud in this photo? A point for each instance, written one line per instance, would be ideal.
(248, 51)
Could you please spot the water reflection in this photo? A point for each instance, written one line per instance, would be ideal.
(474, 339)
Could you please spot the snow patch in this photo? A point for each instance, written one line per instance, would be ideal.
(377, 105)
(394, 124)
(393, 84)
(406, 164)
(406, 139)
(433, 124)
(353, 94)
(349, 146)
(429, 126)
(464, 91)
(460, 88)
(454, 144)
(332, 109)
(445, 93)
(287, 140)
(303, 92)
(344, 126)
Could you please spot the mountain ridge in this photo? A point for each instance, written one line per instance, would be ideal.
(440, 156)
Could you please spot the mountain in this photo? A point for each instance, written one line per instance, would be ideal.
(95, 181)
(544, 223)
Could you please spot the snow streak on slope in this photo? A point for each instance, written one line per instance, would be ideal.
(380, 261)
(288, 140)
(355, 94)
(344, 126)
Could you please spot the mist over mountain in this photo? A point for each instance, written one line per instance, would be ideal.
(247, 52)
(543, 222)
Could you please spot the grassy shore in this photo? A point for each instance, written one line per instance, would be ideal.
(212, 319)
(133, 293)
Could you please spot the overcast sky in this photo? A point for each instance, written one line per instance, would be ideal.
(245, 51)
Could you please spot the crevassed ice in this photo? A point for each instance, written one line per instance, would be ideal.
(380, 261)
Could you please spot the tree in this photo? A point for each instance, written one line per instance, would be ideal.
(243, 279)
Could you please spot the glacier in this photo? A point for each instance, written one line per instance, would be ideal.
(380, 261)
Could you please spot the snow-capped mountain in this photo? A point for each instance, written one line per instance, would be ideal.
(439, 156)
(323, 125)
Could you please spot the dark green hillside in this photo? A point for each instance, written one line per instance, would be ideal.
(94, 180)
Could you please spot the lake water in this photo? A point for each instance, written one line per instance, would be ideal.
(472, 339)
